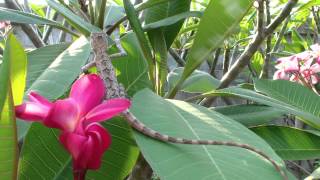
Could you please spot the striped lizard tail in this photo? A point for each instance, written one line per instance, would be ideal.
(142, 128)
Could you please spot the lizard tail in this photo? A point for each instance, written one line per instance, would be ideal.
(142, 128)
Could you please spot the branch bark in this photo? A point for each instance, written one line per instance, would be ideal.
(141, 171)
(176, 57)
(249, 51)
(267, 57)
(31, 33)
(215, 62)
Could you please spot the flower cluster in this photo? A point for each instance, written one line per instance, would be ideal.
(302, 67)
(77, 117)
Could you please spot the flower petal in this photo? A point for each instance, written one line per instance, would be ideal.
(88, 91)
(87, 150)
(34, 97)
(64, 115)
(73, 143)
(99, 142)
(104, 136)
(31, 111)
(107, 110)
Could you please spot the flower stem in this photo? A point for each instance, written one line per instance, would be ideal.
(79, 174)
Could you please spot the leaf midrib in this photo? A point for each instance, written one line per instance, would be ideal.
(198, 138)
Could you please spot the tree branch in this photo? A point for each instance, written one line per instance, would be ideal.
(31, 33)
(267, 57)
(141, 171)
(176, 57)
(215, 62)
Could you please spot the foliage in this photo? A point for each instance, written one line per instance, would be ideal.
(175, 49)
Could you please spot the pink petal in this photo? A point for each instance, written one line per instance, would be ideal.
(280, 74)
(107, 110)
(315, 47)
(34, 97)
(315, 67)
(64, 115)
(88, 92)
(103, 134)
(32, 111)
(303, 55)
(87, 150)
(100, 141)
(73, 143)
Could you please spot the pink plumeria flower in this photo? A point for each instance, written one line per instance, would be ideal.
(4, 24)
(316, 50)
(77, 117)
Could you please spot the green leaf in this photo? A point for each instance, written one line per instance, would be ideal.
(283, 95)
(60, 74)
(8, 136)
(181, 119)
(171, 20)
(300, 100)
(10, 73)
(290, 143)
(73, 19)
(113, 14)
(27, 18)
(134, 78)
(165, 10)
(43, 157)
(40, 59)
(158, 42)
(197, 82)
(250, 115)
(224, 16)
(137, 28)
(18, 59)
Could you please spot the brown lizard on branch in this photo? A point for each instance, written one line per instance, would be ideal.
(114, 89)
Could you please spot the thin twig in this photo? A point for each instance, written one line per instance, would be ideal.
(47, 32)
(226, 60)
(177, 58)
(280, 36)
(30, 32)
(215, 62)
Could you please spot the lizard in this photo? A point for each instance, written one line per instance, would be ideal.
(114, 89)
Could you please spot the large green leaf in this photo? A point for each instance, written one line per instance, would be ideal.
(290, 97)
(43, 157)
(8, 137)
(224, 16)
(143, 42)
(22, 17)
(171, 20)
(300, 98)
(12, 74)
(250, 115)
(74, 20)
(60, 74)
(132, 69)
(40, 59)
(197, 82)
(165, 10)
(18, 74)
(181, 119)
(290, 143)
(113, 14)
